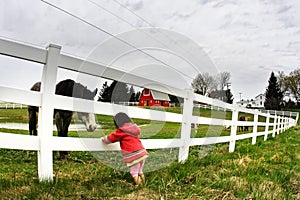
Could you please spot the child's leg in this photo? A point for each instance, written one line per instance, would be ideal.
(134, 171)
(142, 178)
(141, 165)
(137, 180)
(141, 175)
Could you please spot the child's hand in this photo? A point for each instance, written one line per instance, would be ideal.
(105, 140)
(102, 139)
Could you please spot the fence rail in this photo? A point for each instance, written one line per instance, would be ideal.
(12, 106)
(45, 143)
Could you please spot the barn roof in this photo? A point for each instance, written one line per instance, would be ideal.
(160, 96)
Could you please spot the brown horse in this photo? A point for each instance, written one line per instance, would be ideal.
(244, 128)
(63, 117)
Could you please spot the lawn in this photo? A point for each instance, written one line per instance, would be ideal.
(266, 170)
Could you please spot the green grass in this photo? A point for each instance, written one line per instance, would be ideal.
(297, 110)
(267, 170)
(13, 115)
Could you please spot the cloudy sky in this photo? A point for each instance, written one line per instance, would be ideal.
(249, 38)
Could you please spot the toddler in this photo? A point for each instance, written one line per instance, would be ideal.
(134, 154)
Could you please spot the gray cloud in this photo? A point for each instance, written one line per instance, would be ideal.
(284, 8)
(134, 4)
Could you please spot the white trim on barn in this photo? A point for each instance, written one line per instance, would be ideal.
(159, 95)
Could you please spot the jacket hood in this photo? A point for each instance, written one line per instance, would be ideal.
(131, 129)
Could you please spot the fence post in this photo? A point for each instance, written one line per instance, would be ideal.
(279, 125)
(290, 120)
(255, 127)
(45, 159)
(284, 123)
(234, 119)
(267, 126)
(274, 125)
(186, 126)
(297, 117)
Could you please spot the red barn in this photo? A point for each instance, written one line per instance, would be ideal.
(154, 98)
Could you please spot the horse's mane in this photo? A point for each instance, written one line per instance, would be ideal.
(70, 88)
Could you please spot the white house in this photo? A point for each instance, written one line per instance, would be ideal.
(288, 96)
(258, 102)
(245, 103)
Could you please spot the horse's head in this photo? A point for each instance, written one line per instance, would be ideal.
(88, 118)
(89, 121)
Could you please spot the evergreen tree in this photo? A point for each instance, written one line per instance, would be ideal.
(176, 100)
(132, 94)
(223, 95)
(120, 92)
(105, 93)
(274, 95)
(137, 96)
(229, 96)
(116, 92)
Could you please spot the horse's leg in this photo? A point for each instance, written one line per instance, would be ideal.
(63, 120)
(32, 120)
(246, 127)
(59, 125)
(67, 122)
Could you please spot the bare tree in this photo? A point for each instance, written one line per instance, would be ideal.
(292, 83)
(281, 80)
(202, 84)
(212, 86)
(223, 79)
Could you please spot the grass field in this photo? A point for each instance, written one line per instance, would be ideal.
(266, 170)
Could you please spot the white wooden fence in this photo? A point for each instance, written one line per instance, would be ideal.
(45, 143)
(6, 105)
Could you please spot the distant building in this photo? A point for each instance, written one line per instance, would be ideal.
(154, 98)
(246, 103)
(258, 102)
(288, 96)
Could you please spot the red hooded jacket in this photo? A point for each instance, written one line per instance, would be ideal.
(129, 137)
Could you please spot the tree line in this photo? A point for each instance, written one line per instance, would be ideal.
(204, 84)
(214, 86)
(281, 86)
(218, 86)
(118, 92)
